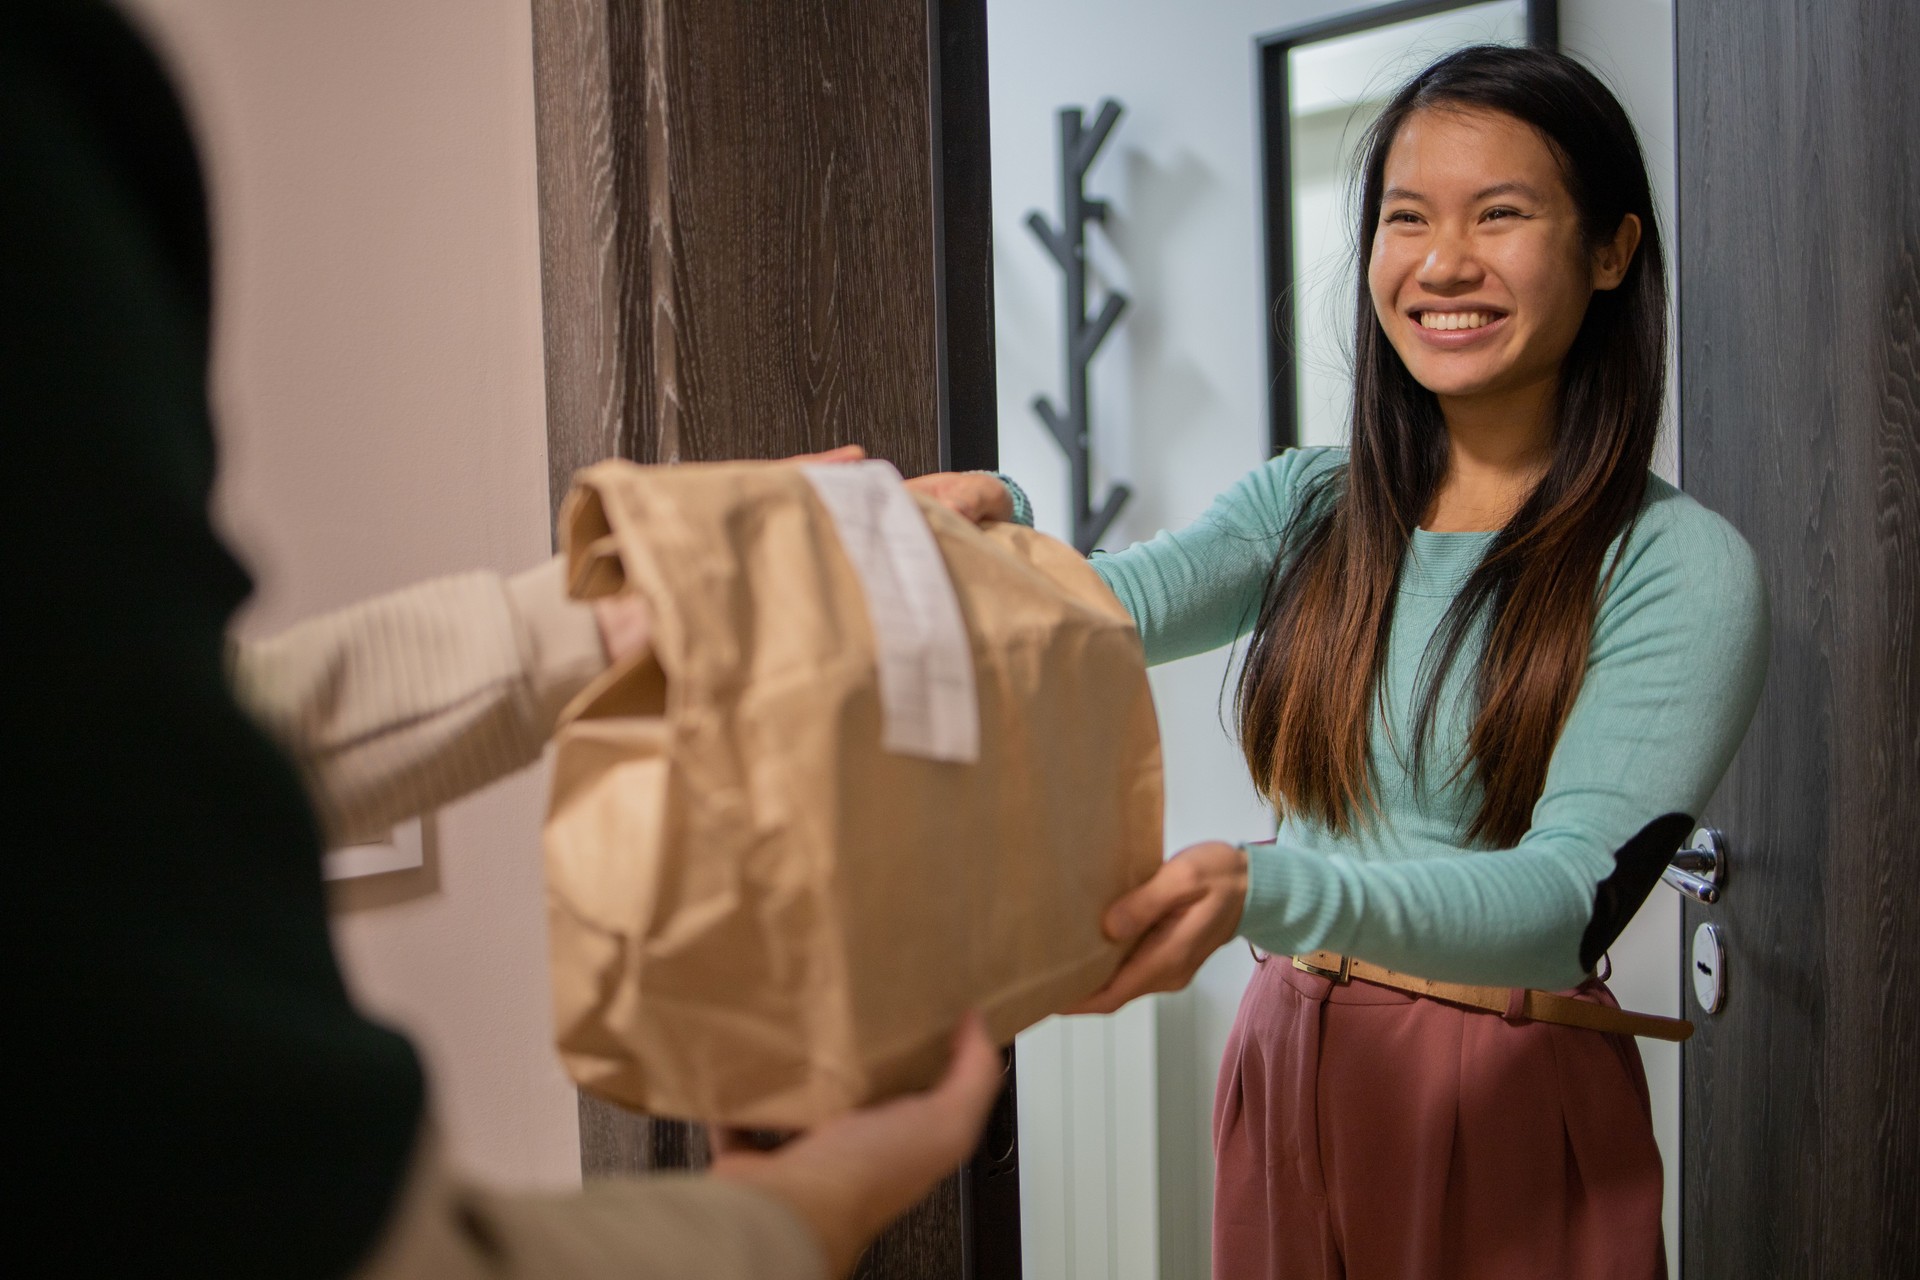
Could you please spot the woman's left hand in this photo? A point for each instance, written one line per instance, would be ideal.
(1189, 910)
(978, 496)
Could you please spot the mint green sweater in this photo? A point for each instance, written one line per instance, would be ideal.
(1679, 655)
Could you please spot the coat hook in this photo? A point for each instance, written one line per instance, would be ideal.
(1079, 145)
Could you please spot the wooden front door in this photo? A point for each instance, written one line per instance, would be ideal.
(765, 230)
(1800, 373)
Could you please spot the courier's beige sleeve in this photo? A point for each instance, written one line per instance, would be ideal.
(410, 700)
(664, 1227)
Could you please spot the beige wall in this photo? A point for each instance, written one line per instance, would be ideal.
(379, 395)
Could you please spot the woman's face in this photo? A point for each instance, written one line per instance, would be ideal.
(1480, 275)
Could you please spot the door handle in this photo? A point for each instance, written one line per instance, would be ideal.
(1698, 869)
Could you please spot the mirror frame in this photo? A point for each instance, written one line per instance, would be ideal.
(1276, 178)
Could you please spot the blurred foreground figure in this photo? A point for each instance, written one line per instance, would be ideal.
(200, 1096)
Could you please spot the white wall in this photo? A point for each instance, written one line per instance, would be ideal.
(1179, 406)
(381, 412)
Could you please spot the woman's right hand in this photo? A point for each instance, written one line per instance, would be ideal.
(853, 1175)
(1187, 911)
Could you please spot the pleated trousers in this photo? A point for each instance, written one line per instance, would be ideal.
(1367, 1134)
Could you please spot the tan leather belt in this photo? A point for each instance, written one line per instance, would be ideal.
(1536, 1006)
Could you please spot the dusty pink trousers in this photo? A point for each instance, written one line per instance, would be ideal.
(1363, 1133)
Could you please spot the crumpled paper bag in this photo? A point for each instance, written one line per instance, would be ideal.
(762, 916)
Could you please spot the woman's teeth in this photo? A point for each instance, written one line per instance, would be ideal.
(1455, 319)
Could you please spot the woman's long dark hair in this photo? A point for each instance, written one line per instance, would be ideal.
(1307, 695)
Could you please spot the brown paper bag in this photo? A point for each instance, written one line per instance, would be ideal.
(759, 915)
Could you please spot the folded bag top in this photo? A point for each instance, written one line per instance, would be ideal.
(782, 858)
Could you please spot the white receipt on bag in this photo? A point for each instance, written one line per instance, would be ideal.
(928, 707)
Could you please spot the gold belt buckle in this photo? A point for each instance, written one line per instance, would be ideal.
(1340, 974)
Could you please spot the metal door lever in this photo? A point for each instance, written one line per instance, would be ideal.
(1698, 869)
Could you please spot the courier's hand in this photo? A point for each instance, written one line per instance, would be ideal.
(839, 453)
(626, 625)
(1176, 920)
(852, 1176)
(979, 497)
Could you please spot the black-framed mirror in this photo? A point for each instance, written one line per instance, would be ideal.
(1320, 86)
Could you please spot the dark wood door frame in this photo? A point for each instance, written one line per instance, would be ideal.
(1799, 270)
(618, 271)
(767, 229)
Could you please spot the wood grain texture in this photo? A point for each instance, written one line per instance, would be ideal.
(746, 254)
(597, 364)
(793, 278)
(617, 1142)
(1800, 354)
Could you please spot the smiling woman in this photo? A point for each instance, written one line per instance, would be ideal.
(1482, 268)
(1321, 86)
(1503, 186)
(1494, 669)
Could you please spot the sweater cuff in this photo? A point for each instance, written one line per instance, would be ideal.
(660, 1227)
(1290, 907)
(1022, 507)
(560, 647)
(685, 1224)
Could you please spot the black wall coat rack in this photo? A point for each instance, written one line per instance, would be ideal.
(1078, 147)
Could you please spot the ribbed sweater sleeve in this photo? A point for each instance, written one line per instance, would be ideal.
(664, 1226)
(413, 699)
(1198, 588)
(1677, 662)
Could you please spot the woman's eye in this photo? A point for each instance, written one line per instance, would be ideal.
(1493, 214)
(1403, 216)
